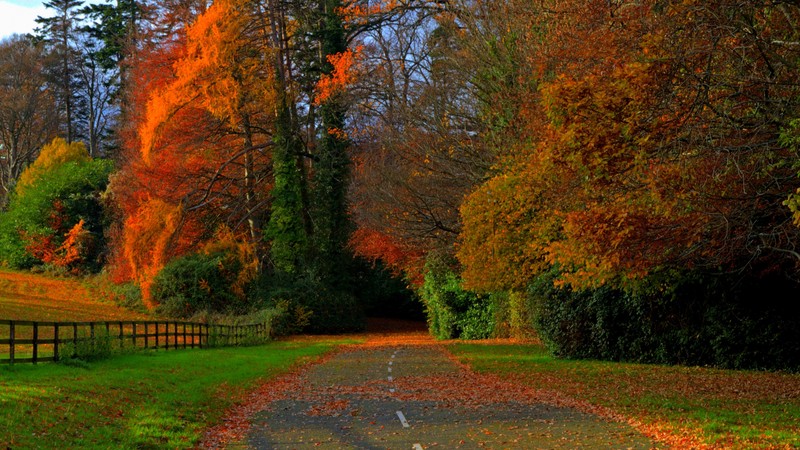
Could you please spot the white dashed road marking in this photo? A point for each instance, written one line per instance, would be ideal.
(400, 415)
(403, 419)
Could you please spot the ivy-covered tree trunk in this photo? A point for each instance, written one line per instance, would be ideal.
(309, 226)
(286, 230)
(332, 168)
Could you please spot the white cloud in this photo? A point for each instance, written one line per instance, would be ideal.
(19, 16)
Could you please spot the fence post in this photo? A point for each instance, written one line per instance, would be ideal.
(121, 340)
(175, 342)
(35, 342)
(74, 339)
(91, 336)
(156, 346)
(11, 343)
(55, 341)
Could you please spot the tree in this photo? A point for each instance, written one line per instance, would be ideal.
(60, 34)
(55, 216)
(418, 150)
(199, 150)
(240, 120)
(95, 113)
(659, 149)
(27, 108)
(332, 227)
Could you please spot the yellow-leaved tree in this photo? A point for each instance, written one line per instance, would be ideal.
(54, 154)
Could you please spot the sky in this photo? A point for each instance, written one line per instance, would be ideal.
(17, 16)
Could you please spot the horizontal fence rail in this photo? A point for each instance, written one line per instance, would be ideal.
(33, 342)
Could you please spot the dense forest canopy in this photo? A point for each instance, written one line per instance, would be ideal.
(619, 176)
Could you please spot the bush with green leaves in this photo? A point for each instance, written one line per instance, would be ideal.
(56, 198)
(196, 283)
(452, 311)
(310, 305)
(675, 318)
(92, 347)
(290, 318)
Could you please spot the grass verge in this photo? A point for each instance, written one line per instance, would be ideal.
(725, 408)
(38, 297)
(143, 400)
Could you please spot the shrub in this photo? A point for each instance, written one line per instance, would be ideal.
(55, 217)
(92, 348)
(308, 304)
(194, 283)
(675, 318)
(452, 311)
(290, 318)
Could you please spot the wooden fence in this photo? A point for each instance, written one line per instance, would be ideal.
(33, 342)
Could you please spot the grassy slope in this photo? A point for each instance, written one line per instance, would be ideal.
(731, 409)
(26, 296)
(144, 400)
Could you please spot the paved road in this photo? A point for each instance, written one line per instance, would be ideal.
(411, 396)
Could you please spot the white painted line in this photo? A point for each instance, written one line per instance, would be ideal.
(390, 362)
(391, 390)
(390, 378)
(416, 447)
(390, 370)
(403, 419)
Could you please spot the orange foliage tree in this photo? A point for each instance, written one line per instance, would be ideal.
(195, 156)
(654, 146)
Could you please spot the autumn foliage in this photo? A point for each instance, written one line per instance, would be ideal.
(195, 159)
(653, 146)
(496, 154)
(55, 217)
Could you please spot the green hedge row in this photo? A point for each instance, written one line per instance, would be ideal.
(725, 321)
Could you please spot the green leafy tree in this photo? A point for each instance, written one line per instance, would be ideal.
(56, 217)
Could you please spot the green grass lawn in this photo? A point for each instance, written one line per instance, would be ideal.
(141, 400)
(725, 408)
